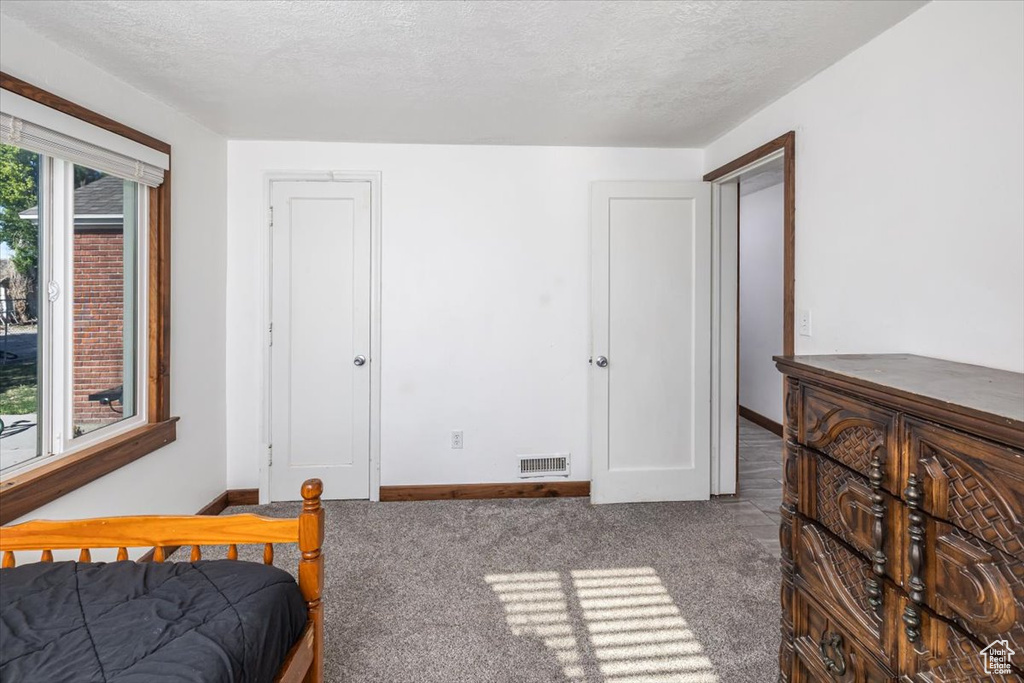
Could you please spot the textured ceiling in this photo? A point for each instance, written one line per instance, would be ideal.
(674, 74)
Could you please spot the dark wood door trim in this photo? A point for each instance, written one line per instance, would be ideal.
(750, 157)
(787, 143)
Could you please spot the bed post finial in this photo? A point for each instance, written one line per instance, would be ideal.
(312, 489)
(311, 570)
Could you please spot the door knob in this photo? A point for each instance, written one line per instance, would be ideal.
(602, 362)
(359, 360)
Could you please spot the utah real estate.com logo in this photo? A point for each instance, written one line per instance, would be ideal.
(997, 657)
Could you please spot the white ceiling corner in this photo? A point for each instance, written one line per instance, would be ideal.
(645, 74)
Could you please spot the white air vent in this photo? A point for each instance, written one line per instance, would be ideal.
(543, 465)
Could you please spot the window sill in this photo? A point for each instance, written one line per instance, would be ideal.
(26, 492)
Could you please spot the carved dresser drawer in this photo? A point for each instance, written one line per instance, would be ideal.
(902, 520)
(860, 513)
(850, 431)
(825, 650)
(974, 584)
(945, 653)
(845, 585)
(970, 482)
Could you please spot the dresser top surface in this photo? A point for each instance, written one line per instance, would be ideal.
(996, 393)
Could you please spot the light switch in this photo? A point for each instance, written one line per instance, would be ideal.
(805, 322)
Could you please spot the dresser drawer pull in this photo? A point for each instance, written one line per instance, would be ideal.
(912, 622)
(912, 615)
(831, 649)
(878, 530)
(915, 529)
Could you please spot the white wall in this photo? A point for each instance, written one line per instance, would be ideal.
(186, 475)
(761, 258)
(909, 169)
(910, 237)
(485, 298)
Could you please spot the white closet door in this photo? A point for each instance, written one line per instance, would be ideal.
(320, 349)
(651, 341)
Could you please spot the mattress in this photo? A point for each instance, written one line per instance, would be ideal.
(123, 622)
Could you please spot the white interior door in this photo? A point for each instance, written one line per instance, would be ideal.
(651, 341)
(320, 338)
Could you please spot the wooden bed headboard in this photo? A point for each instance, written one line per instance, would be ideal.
(305, 661)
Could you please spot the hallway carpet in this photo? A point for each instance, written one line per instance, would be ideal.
(545, 590)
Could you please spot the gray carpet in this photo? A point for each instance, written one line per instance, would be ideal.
(541, 591)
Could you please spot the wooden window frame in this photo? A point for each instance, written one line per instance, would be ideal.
(24, 492)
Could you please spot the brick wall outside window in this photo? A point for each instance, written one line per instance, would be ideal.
(98, 322)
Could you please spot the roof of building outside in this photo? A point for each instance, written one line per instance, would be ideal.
(102, 197)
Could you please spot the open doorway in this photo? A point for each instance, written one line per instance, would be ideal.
(761, 299)
(760, 337)
(753, 313)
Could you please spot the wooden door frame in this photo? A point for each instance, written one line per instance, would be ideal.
(267, 269)
(786, 146)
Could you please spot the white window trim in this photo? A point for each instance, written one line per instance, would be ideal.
(91, 138)
(67, 299)
(56, 282)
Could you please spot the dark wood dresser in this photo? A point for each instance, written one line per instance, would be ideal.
(902, 520)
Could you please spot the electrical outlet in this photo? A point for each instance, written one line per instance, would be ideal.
(457, 439)
(805, 322)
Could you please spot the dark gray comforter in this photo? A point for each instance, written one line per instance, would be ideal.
(122, 622)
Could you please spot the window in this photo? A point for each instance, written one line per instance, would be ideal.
(84, 296)
(20, 371)
(109, 219)
(72, 271)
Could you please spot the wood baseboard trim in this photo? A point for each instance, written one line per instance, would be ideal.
(762, 421)
(546, 489)
(243, 496)
(216, 506)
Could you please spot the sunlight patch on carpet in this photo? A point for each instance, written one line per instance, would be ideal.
(615, 625)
